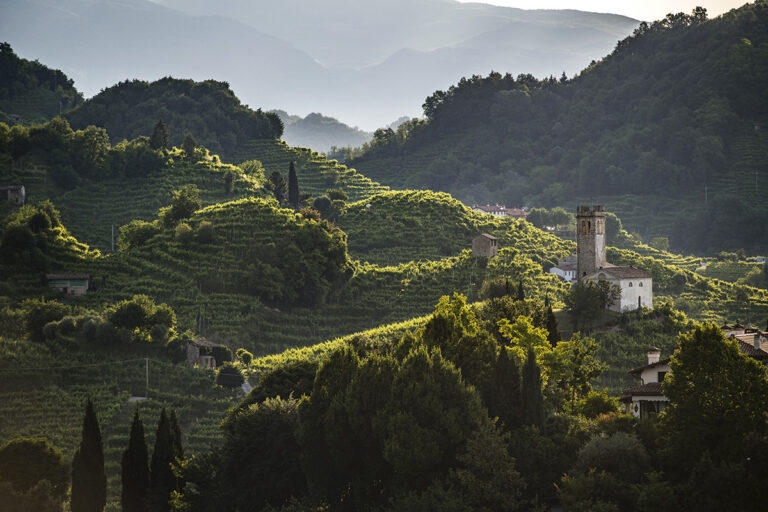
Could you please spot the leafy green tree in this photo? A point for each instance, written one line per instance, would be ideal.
(38, 312)
(24, 462)
(205, 232)
(260, 463)
(621, 454)
(716, 396)
(185, 202)
(523, 335)
(293, 186)
(89, 480)
(532, 399)
(136, 233)
(279, 188)
(455, 330)
(135, 470)
(160, 136)
(229, 376)
(189, 146)
(586, 301)
(184, 234)
(430, 417)
(574, 365)
(162, 479)
(336, 194)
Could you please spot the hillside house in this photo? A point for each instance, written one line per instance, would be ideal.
(647, 399)
(565, 269)
(69, 284)
(200, 353)
(636, 286)
(485, 245)
(501, 211)
(15, 194)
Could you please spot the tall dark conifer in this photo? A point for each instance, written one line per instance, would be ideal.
(160, 136)
(504, 396)
(163, 480)
(89, 481)
(532, 404)
(293, 186)
(135, 466)
(553, 332)
(520, 292)
(189, 145)
(178, 446)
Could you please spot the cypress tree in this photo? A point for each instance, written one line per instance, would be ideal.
(532, 403)
(520, 292)
(162, 480)
(189, 145)
(504, 397)
(553, 335)
(135, 467)
(293, 186)
(160, 136)
(89, 481)
(178, 447)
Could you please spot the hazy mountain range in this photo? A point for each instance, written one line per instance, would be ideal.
(320, 132)
(364, 62)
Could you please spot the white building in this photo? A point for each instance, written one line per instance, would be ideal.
(636, 286)
(647, 398)
(501, 211)
(565, 272)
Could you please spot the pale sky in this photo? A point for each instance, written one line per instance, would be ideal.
(647, 10)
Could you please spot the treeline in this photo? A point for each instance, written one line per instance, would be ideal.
(209, 110)
(478, 410)
(32, 90)
(75, 155)
(670, 110)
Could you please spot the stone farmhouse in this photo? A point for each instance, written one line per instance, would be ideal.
(15, 194)
(200, 353)
(485, 246)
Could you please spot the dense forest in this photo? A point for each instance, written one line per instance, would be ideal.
(32, 92)
(672, 121)
(208, 110)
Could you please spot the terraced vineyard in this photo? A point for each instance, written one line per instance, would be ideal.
(49, 403)
(729, 271)
(315, 172)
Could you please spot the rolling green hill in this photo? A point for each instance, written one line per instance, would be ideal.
(669, 131)
(208, 110)
(31, 90)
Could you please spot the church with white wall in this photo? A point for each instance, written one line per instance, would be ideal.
(591, 265)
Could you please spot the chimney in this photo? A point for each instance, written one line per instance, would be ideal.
(654, 354)
(758, 340)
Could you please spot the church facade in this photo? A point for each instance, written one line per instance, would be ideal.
(591, 264)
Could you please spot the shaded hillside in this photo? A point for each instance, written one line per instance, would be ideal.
(31, 90)
(677, 107)
(208, 110)
(320, 132)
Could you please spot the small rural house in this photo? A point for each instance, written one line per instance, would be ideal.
(69, 284)
(636, 286)
(485, 245)
(200, 353)
(15, 194)
(647, 398)
(501, 211)
(565, 269)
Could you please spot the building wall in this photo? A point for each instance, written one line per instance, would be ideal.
(630, 294)
(650, 375)
(483, 247)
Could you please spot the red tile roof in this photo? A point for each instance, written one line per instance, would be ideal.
(67, 276)
(626, 272)
(641, 368)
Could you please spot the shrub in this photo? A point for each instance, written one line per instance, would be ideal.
(184, 233)
(221, 354)
(229, 376)
(597, 403)
(205, 232)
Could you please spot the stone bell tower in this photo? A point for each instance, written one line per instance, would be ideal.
(590, 240)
